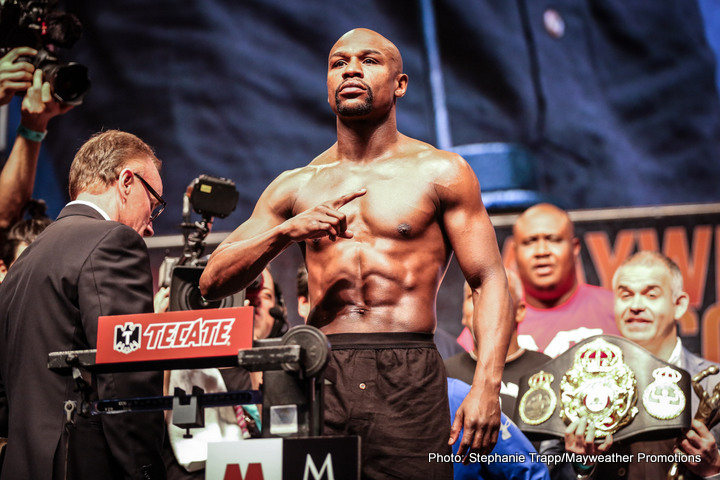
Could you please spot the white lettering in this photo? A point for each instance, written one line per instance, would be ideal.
(311, 468)
(195, 333)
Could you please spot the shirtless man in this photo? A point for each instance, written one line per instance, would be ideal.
(377, 217)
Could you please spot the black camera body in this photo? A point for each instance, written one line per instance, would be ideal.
(38, 24)
(210, 197)
(213, 196)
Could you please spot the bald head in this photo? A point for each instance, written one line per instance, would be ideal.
(553, 214)
(368, 39)
(545, 252)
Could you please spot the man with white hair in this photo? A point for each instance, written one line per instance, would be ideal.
(649, 301)
(92, 261)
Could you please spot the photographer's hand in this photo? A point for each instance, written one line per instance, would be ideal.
(15, 76)
(161, 300)
(18, 174)
(39, 106)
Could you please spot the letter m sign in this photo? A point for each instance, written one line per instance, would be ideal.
(310, 468)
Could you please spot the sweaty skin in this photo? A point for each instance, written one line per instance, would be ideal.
(377, 217)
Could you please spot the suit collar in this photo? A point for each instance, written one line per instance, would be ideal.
(81, 209)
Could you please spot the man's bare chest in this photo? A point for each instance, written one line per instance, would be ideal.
(395, 206)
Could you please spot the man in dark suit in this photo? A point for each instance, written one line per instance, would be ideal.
(92, 261)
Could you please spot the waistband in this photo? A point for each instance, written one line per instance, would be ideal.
(370, 341)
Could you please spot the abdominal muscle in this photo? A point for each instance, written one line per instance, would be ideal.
(355, 287)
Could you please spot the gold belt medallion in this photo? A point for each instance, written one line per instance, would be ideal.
(538, 403)
(599, 386)
(663, 398)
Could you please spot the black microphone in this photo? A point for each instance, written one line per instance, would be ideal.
(281, 325)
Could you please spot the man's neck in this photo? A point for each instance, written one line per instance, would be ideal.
(103, 201)
(550, 299)
(543, 303)
(362, 140)
(663, 348)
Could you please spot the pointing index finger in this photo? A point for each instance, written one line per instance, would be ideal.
(339, 202)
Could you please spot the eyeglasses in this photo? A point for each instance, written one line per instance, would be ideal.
(161, 203)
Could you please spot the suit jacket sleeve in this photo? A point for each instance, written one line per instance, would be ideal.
(116, 280)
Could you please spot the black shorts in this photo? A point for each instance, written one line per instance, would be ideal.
(391, 390)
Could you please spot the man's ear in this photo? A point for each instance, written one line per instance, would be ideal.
(402, 83)
(576, 246)
(681, 305)
(125, 179)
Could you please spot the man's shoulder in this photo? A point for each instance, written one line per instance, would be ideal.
(595, 291)
(83, 236)
(89, 227)
(586, 298)
(590, 297)
(290, 181)
(695, 363)
(428, 153)
(441, 168)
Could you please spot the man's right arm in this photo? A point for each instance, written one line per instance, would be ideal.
(271, 228)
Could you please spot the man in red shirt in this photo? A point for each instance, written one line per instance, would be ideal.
(561, 311)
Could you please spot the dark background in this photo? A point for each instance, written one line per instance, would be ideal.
(619, 107)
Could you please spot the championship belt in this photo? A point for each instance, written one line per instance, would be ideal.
(617, 385)
(599, 386)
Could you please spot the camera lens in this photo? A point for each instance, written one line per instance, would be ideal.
(70, 83)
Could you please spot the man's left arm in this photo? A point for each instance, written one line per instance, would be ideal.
(472, 237)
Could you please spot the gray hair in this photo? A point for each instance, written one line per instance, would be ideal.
(650, 258)
(100, 160)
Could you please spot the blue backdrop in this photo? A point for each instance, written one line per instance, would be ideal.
(614, 101)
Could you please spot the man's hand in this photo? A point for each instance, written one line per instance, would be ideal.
(15, 76)
(479, 418)
(699, 441)
(39, 106)
(324, 220)
(580, 438)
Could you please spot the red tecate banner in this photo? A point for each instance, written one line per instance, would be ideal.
(174, 335)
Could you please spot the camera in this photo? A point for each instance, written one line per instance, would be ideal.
(38, 24)
(210, 197)
(213, 196)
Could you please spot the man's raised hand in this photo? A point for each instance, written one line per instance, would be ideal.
(324, 220)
